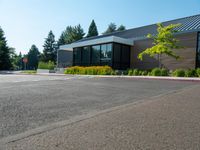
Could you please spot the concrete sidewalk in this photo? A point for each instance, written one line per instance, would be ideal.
(169, 122)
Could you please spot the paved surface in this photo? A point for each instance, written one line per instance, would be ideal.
(166, 122)
(28, 102)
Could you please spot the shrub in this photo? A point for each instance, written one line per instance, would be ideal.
(93, 70)
(198, 72)
(136, 72)
(178, 73)
(144, 73)
(130, 72)
(46, 65)
(190, 73)
(29, 71)
(164, 72)
(156, 72)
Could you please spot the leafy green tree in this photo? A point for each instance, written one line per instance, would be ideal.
(17, 62)
(111, 28)
(121, 28)
(163, 43)
(5, 53)
(71, 34)
(33, 57)
(50, 48)
(92, 31)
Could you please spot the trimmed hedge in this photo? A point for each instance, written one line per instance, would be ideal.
(198, 72)
(178, 73)
(46, 65)
(93, 70)
(154, 72)
(106, 70)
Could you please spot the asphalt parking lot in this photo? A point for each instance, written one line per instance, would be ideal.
(31, 101)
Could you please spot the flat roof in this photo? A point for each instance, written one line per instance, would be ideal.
(102, 40)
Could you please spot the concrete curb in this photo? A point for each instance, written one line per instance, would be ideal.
(131, 77)
(193, 79)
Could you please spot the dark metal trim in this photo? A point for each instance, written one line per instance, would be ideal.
(197, 52)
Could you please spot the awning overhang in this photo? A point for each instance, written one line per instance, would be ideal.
(109, 39)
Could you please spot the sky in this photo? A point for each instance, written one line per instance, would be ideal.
(27, 22)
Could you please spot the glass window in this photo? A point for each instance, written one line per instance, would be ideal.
(86, 56)
(116, 56)
(96, 55)
(77, 56)
(106, 54)
(125, 56)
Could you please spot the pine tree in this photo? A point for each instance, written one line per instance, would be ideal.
(78, 33)
(71, 34)
(92, 31)
(61, 40)
(121, 28)
(5, 59)
(33, 57)
(50, 48)
(111, 28)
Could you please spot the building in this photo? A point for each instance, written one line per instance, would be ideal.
(120, 49)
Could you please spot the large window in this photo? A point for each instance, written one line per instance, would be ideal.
(86, 56)
(106, 54)
(96, 55)
(111, 54)
(121, 56)
(77, 56)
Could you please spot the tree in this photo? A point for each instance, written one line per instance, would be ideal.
(5, 58)
(61, 40)
(71, 34)
(111, 28)
(92, 31)
(121, 28)
(50, 48)
(77, 33)
(33, 57)
(164, 43)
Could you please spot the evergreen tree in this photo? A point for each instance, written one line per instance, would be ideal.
(33, 57)
(71, 34)
(92, 31)
(61, 40)
(78, 33)
(121, 28)
(111, 28)
(5, 58)
(50, 48)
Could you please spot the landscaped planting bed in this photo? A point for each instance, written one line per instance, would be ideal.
(106, 70)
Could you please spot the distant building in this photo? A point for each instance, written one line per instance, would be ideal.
(120, 49)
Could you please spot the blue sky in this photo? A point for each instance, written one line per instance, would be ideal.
(27, 22)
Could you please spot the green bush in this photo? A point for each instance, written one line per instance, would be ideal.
(144, 73)
(190, 73)
(136, 72)
(93, 70)
(46, 65)
(198, 72)
(164, 72)
(178, 73)
(130, 72)
(29, 71)
(156, 72)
